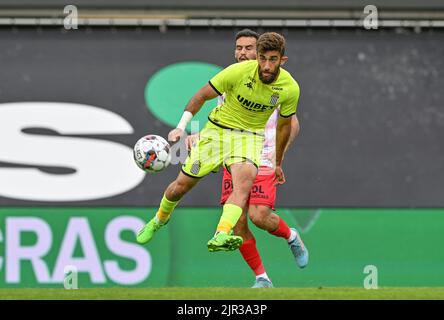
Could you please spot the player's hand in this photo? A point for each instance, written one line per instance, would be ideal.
(191, 140)
(279, 175)
(175, 135)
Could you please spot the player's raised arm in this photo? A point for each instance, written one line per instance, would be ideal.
(205, 93)
(193, 107)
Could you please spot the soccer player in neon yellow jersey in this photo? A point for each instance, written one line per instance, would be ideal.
(234, 135)
(263, 194)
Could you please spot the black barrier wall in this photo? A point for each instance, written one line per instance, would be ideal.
(371, 107)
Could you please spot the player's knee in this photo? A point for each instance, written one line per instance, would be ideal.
(257, 220)
(259, 215)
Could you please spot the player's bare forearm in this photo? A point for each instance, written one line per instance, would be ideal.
(197, 101)
(283, 131)
(294, 132)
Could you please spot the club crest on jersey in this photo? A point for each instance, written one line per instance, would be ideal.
(195, 168)
(274, 98)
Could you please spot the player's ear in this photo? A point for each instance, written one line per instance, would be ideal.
(283, 60)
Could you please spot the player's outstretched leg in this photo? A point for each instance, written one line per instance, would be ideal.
(175, 191)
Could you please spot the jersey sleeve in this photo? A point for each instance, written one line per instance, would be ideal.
(289, 106)
(224, 80)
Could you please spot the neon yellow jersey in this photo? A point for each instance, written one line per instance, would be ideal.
(249, 102)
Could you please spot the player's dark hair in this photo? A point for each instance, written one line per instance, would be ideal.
(248, 33)
(271, 41)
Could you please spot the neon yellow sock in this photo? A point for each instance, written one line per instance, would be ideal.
(165, 210)
(229, 218)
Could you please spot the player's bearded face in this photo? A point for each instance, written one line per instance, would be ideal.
(269, 64)
(268, 75)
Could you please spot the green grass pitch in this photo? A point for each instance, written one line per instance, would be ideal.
(224, 294)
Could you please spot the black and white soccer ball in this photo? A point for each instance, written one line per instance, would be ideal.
(152, 153)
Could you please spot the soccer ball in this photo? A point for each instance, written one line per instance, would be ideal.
(152, 153)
